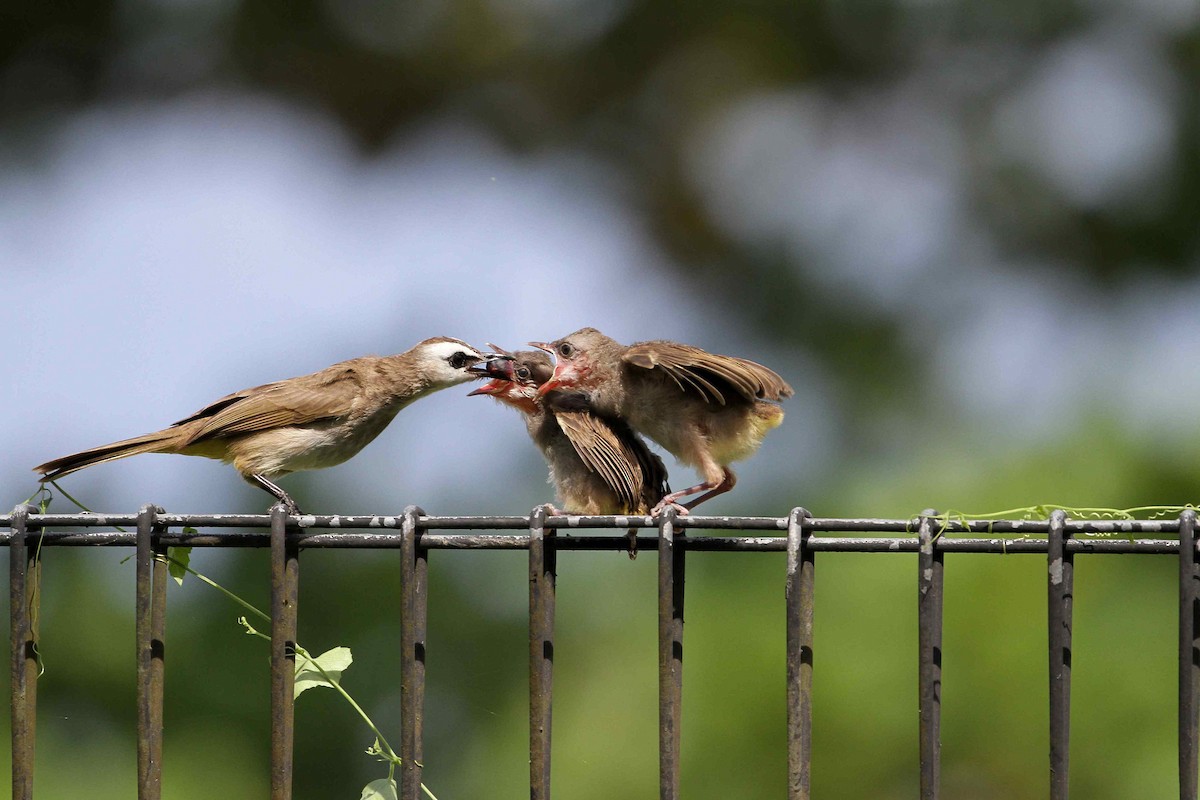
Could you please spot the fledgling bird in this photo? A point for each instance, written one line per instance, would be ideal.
(708, 410)
(308, 422)
(597, 465)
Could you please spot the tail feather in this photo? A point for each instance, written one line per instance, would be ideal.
(157, 442)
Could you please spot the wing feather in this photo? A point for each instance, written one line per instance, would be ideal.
(327, 394)
(708, 373)
(604, 453)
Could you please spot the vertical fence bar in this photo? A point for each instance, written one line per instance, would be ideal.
(23, 577)
(1189, 653)
(799, 601)
(285, 573)
(929, 620)
(542, 578)
(150, 623)
(1061, 583)
(414, 574)
(670, 653)
(158, 640)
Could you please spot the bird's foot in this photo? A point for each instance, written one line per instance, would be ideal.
(289, 504)
(664, 504)
(632, 547)
(553, 510)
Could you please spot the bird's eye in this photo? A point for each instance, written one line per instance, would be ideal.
(566, 350)
(523, 373)
(459, 360)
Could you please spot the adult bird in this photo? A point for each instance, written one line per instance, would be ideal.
(598, 466)
(707, 410)
(308, 422)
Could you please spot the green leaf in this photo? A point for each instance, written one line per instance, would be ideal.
(332, 662)
(382, 789)
(180, 558)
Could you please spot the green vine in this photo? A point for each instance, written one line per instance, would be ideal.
(1044, 510)
(328, 665)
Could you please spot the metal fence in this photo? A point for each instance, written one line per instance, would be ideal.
(414, 534)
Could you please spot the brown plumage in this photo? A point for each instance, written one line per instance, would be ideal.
(597, 465)
(708, 410)
(309, 422)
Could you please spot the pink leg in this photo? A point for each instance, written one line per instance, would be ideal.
(711, 489)
(721, 488)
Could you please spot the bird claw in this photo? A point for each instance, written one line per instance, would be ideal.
(289, 505)
(632, 546)
(681, 510)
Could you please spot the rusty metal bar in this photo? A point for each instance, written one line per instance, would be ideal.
(799, 601)
(821, 525)
(709, 544)
(1189, 653)
(1061, 583)
(24, 573)
(670, 653)
(414, 576)
(542, 579)
(929, 613)
(158, 640)
(285, 575)
(150, 624)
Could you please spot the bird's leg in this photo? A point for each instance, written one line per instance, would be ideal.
(632, 546)
(727, 483)
(710, 488)
(277, 492)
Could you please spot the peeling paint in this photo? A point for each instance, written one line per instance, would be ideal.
(928, 574)
(1056, 571)
(307, 521)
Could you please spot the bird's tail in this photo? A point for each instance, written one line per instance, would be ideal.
(157, 442)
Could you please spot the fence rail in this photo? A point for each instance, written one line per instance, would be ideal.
(415, 533)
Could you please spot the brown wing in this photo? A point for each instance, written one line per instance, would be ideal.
(710, 375)
(654, 486)
(327, 394)
(604, 453)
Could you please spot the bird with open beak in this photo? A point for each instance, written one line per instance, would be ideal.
(309, 422)
(597, 465)
(707, 410)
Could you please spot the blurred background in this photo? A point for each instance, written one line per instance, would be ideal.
(965, 232)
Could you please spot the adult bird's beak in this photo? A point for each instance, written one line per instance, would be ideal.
(498, 352)
(498, 368)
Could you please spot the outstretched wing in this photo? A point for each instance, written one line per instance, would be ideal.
(710, 375)
(327, 394)
(604, 453)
